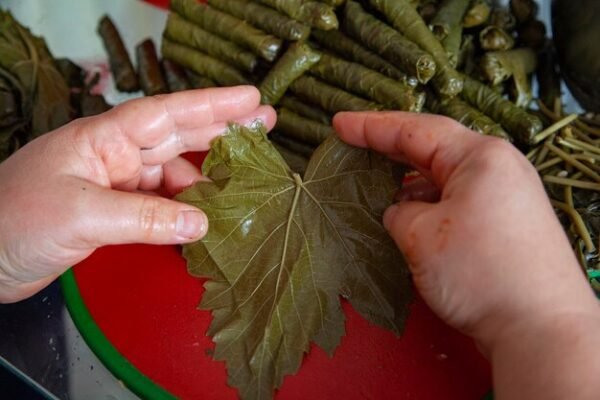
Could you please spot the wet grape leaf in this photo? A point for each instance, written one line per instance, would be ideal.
(281, 250)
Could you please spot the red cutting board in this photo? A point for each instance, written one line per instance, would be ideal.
(143, 300)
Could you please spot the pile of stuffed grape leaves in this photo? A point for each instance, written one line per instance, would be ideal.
(470, 60)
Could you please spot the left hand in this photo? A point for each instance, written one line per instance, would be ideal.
(82, 186)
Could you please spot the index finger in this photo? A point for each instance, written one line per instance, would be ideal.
(149, 120)
(431, 143)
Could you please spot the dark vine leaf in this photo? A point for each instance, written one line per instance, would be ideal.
(27, 58)
(281, 250)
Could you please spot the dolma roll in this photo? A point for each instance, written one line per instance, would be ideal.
(330, 98)
(186, 33)
(149, 71)
(175, 76)
(118, 58)
(405, 19)
(202, 64)
(519, 124)
(348, 48)
(363, 81)
(449, 16)
(228, 27)
(299, 58)
(447, 26)
(265, 18)
(468, 116)
(388, 43)
(198, 81)
(306, 110)
(498, 66)
(477, 14)
(314, 13)
(493, 38)
(503, 19)
(301, 128)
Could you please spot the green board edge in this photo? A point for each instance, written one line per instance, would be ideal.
(114, 361)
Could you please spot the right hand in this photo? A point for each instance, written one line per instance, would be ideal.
(489, 253)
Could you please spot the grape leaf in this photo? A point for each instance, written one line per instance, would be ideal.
(26, 57)
(281, 250)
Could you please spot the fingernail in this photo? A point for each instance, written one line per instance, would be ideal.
(191, 224)
(389, 215)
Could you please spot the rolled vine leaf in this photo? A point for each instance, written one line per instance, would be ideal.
(314, 13)
(301, 128)
(121, 66)
(150, 74)
(343, 45)
(186, 33)
(264, 18)
(228, 27)
(405, 18)
(363, 81)
(202, 64)
(388, 43)
(299, 58)
(175, 76)
(520, 125)
(330, 98)
(498, 66)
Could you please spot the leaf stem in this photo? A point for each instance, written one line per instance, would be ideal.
(557, 126)
(578, 222)
(579, 145)
(572, 161)
(587, 129)
(547, 164)
(547, 112)
(543, 154)
(572, 182)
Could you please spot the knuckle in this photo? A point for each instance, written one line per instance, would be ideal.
(151, 218)
(500, 153)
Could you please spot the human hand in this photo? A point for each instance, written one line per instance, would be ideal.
(85, 185)
(484, 246)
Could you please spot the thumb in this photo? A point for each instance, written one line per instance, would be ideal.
(125, 217)
(405, 222)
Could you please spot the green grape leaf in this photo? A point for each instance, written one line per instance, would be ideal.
(281, 250)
